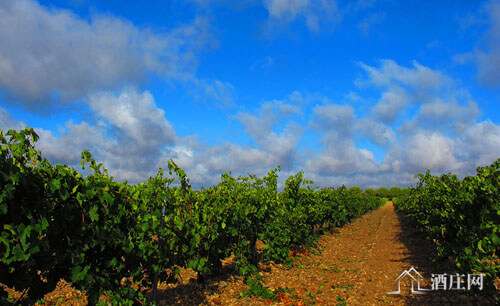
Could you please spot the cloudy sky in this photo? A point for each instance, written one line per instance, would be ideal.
(364, 93)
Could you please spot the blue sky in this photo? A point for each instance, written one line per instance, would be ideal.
(363, 93)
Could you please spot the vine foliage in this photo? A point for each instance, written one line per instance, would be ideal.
(462, 217)
(107, 236)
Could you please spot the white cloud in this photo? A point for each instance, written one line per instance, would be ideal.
(206, 163)
(258, 126)
(317, 13)
(422, 120)
(47, 55)
(479, 144)
(419, 77)
(286, 110)
(334, 118)
(285, 9)
(217, 92)
(487, 57)
(75, 138)
(431, 151)
(134, 117)
(8, 123)
(281, 147)
(130, 136)
(434, 99)
(486, 53)
(339, 156)
(444, 137)
(340, 161)
(445, 116)
(353, 97)
(377, 132)
(391, 104)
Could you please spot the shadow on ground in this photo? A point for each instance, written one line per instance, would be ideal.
(422, 255)
(193, 292)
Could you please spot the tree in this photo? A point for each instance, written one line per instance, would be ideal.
(370, 191)
(382, 192)
(356, 189)
(395, 192)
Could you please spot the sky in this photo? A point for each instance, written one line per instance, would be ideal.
(363, 93)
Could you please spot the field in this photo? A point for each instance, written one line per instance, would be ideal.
(239, 242)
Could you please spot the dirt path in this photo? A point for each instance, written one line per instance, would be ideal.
(358, 264)
(355, 265)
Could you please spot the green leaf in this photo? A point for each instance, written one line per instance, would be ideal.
(78, 274)
(3, 208)
(9, 228)
(113, 262)
(94, 216)
(25, 233)
(178, 222)
(55, 185)
(201, 264)
(480, 246)
(7, 246)
(495, 239)
(192, 264)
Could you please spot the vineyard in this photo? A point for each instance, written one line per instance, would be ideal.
(108, 237)
(462, 218)
(114, 239)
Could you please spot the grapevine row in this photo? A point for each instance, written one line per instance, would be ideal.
(106, 236)
(462, 217)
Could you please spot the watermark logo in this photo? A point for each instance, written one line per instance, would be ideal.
(415, 277)
(439, 282)
(456, 281)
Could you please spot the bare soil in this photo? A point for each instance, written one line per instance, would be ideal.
(354, 265)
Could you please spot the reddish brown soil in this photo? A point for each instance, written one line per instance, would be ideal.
(355, 265)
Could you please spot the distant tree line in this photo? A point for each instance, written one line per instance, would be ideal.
(382, 192)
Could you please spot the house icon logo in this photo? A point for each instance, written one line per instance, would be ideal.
(415, 277)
